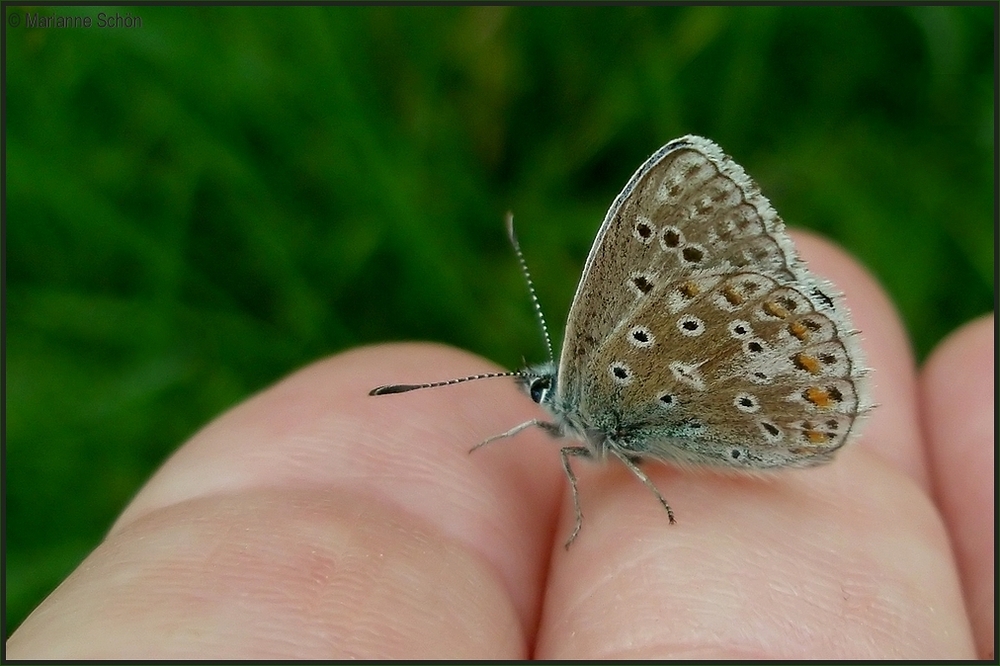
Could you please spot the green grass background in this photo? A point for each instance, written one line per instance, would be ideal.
(199, 206)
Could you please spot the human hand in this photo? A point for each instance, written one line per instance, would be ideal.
(314, 521)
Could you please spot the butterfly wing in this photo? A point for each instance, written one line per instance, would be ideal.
(690, 238)
(741, 370)
(689, 208)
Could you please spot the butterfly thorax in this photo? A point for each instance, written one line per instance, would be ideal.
(540, 382)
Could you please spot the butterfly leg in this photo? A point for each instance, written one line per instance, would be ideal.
(645, 479)
(544, 425)
(581, 452)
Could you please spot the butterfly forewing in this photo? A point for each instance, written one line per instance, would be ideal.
(688, 210)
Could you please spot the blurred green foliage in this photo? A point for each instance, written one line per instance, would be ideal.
(198, 206)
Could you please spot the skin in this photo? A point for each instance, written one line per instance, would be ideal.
(314, 521)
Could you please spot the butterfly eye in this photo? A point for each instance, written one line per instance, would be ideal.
(539, 389)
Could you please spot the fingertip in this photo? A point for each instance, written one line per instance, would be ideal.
(958, 402)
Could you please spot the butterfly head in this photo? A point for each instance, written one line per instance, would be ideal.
(539, 382)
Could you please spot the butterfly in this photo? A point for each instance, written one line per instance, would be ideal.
(696, 335)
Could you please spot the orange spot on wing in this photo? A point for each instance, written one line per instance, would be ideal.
(819, 397)
(689, 289)
(816, 437)
(734, 297)
(799, 330)
(807, 363)
(775, 310)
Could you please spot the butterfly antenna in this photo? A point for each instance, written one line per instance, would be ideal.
(403, 388)
(531, 285)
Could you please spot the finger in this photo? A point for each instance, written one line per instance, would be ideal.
(959, 405)
(316, 521)
(845, 560)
